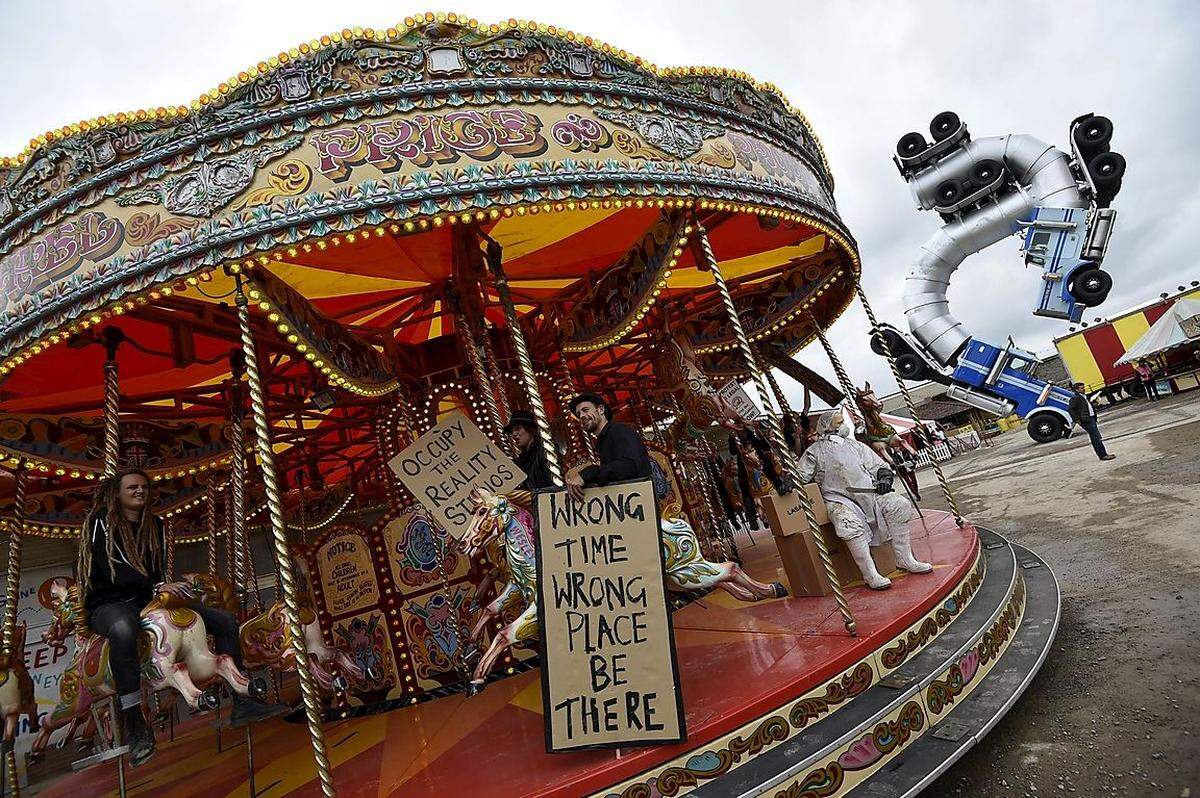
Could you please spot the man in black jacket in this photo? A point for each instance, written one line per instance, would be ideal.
(623, 456)
(1084, 414)
(522, 430)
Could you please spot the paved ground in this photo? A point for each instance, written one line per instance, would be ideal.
(1114, 710)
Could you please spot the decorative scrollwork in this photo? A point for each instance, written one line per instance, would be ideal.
(289, 179)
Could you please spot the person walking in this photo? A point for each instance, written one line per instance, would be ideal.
(1084, 414)
(1146, 375)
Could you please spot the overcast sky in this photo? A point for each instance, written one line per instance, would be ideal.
(863, 72)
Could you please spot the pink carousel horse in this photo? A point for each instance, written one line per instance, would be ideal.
(508, 517)
(175, 649)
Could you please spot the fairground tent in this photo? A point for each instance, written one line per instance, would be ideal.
(1177, 327)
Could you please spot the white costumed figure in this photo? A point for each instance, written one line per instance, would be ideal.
(856, 486)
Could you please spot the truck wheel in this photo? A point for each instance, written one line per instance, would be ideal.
(1046, 427)
(910, 144)
(1093, 135)
(894, 344)
(1106, 170)
(949, 192)
(910, 367)
(985, 171)
(1091, 286)
(944, 125)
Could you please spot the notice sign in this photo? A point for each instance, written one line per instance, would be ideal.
(733, 393)
(347, 577)
(609, 677)
(444, 465)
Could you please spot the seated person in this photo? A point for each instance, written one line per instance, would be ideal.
(856, 485)
(119, 570)
(623, 456)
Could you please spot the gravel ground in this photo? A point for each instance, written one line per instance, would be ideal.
(1114, 709)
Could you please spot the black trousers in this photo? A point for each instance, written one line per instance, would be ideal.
(1093, 431)
(1151, 389)
(121, 621)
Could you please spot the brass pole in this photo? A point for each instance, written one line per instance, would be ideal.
(491, 413)
(245, 577)
(524, 361)
(908, 402)
(787, 458)
(112, 400)
(780, 399)
(210, 524)
(13, 585)
(169, 531)
(291, 604)
(499, 391)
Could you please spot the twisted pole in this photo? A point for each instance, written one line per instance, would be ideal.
(493, 367)
(466, 341)
(13, 584)
(908, 403)
(112, 400)
(291, 605)
(524, 361)
(210, 524)
(169, 531)
(787, 458)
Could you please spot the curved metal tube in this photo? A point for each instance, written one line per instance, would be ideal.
(1044, 178)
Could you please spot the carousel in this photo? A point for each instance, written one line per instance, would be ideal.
(261, 299)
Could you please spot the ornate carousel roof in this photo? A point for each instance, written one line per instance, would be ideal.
(354, 180)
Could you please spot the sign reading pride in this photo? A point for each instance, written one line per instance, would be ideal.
(444, 465)
(609, 677)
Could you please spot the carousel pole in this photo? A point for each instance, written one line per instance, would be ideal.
(112, 400)
(245, 578)
(787, 458)
(523, 359)
(169, 531)
(291, 604)
(466, 341)
(13, 592)
(493, 368)
(780, 400)
(908, 402)
(210, 524)
(565, 389)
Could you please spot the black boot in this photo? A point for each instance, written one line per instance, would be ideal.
(246, 711)
(137, 735)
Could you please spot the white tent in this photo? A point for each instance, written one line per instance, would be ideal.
(1179, 326)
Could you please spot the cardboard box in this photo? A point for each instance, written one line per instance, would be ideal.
(798, 550)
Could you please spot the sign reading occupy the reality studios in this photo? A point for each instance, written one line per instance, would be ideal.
(444, 465)
(609, 677)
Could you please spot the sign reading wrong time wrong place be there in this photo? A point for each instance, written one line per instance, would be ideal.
(609, 677)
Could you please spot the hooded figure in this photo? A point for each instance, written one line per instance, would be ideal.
(856, 486)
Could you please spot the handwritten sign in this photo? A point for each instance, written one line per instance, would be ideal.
(609, 677)
(444, 465)
(733, 393)
(347, 576)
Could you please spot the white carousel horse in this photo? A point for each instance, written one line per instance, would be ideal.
(509, 516)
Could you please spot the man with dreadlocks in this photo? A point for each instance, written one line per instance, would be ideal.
(120, 568)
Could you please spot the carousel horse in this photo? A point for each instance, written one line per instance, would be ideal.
(267, 642)
(175, 654)
(509, 517)
(877, 433)
(16, 687)
(679, 376)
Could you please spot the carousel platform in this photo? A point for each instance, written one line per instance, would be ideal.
(780, 701)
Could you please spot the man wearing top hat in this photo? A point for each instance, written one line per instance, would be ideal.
(622, 454)
(522, 430)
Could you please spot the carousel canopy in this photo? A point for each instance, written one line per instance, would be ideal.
(356, 183)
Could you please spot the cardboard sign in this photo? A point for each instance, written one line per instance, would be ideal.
(444, 465)
(609, 676)
(733, 393)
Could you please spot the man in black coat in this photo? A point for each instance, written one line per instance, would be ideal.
(1084, 415)
(522, 430)
(623, 456)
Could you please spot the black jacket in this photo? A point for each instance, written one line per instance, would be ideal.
(125, 583)
(622, 454)
(1078, 408)
(537, 471)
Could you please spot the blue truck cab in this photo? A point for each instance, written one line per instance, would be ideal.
(1005, 373)
(1068, 245)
